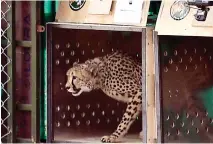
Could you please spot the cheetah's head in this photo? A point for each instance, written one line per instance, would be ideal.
(81, 78)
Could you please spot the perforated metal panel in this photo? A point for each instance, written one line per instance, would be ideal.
(93, 114)
(186, 77)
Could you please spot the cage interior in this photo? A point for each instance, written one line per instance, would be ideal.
(91, 115)
(187, 77)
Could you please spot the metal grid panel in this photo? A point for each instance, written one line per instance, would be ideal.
(186, 73)
(94, 113)
(7, 71)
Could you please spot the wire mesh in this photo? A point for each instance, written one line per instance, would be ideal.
(6, 60)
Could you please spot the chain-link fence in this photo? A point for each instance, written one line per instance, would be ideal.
(5, 61)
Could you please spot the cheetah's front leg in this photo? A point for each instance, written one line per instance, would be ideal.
(132, 111)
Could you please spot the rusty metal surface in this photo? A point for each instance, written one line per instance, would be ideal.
(186, 70)
(92, 112)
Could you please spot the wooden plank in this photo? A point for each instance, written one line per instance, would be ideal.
(65, 14)
(166, 25)
(24, 43)
(150, 88)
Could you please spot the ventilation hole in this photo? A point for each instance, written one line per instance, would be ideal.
(167, 118)
(88, 122)
(82, 52)
(118, 104)
(67, 61)
(73, 115)
(98, 105)
(177, 116)
(197, 114)
(175, 52)
(103, 113)
(108, 121)
(58, 124)
(102, 50)
(207, 129)
(78, 107)
(62, 88)
(190, 59)
(63, 116)
(77, 122)
(180, 60)
(62, 53)
(77, 44)
(170, 95)
(68, 108)
(170, 61)
(60, 83)
(98, 121)
(176, 68)
(112, 50)
(113, 112)
(205, 66)
(165, 53)
(165, 69)
(195, 67)
(173, 125)
(185, 51)
(210, 57)
(182, 124)
(68, 45)
(88, 106)
(68, 123)
(88, 44)
(137, 55)
(178, 132)
(197, 130)
(83, 114)
(93, 52)
(57, 62)
(168, 134)
(195, 50)
(186, 67)
(72, 53)
(187, 115)
(118, 119)
(57, 108)
(93, 113)
(192, 122)
(201, 58)
(57, 46)
(187, 131)
(204, 50)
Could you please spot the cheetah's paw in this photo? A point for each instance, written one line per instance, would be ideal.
(109, 139)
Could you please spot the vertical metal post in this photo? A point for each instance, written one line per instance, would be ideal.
(157, 87)
(34, 74)
(144, 99)
(11, 73)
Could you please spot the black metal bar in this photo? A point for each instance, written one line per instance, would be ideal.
(50, 135)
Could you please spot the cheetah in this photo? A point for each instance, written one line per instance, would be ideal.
(118, 75)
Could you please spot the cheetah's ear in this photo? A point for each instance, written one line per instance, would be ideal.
(94, 66)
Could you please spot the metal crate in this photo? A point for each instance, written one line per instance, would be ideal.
(184, 88)
(88, 117)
